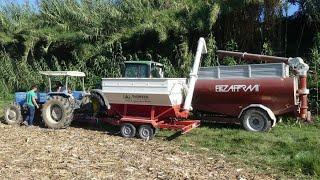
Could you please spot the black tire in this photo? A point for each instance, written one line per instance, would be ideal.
(256, 120)
(70, 105)
(128, 130)
(12, 114)
(57, 113)
(85, 106)
(146, 132)
(98, 107)
(85, 100)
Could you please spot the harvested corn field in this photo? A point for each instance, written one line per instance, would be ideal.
(76, 152)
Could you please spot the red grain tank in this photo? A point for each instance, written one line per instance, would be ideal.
(231, 96)
(252, 94)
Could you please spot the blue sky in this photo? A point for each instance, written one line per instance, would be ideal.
(291, 11)
(18, 1)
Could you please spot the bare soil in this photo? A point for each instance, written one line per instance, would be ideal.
(79, 153)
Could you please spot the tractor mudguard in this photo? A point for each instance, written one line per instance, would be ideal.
(99, 91)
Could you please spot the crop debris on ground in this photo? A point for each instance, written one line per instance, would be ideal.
(77, 152)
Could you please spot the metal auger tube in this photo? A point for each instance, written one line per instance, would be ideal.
(252, 57)
(202, 49)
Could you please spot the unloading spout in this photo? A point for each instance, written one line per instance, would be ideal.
(202, 49)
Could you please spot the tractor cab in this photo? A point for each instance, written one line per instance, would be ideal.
(143, 69)
(59, 83)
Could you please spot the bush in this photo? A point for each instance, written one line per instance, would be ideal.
(97, 36)
(314, 77)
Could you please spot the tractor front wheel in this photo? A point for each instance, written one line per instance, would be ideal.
(12, 114)
(57, 113)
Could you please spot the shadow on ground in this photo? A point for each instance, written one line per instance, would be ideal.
(97, 126)
(215, 125)
(115, 131)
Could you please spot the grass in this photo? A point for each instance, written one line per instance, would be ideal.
(288, 150)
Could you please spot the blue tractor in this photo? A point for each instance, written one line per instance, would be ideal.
(57, 106)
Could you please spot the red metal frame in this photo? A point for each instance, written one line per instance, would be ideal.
(303, 96)
(162, 117)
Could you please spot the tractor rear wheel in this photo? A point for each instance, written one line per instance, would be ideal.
(12, 114)
(57, 113)
(256, 120)
(98, 106)
(86, 105)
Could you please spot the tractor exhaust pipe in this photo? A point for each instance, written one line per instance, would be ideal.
(202, 49)
(299, 67)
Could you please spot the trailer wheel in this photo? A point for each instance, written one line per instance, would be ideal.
(146, 132)
(12, 114)
(256, 120)
(57, 113)
(128, 130)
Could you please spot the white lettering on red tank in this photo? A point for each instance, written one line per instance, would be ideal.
(237, 88)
